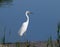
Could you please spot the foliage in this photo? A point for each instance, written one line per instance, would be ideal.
(4, 35)
(1, 1)
(27, 43)
(5, 2)
(58, 35)
(49, 42)
(17, 44)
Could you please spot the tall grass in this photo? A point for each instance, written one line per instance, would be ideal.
(58, 35)
(49, 42)
(27, 43)
(17, 44)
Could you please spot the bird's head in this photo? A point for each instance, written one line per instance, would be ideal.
(28, 12)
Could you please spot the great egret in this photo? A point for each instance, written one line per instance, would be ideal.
(24, 26)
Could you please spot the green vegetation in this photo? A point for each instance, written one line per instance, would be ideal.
(58, 35)
(27, 43)
(5, 2)
(49, 42)
(17, 44)
(57, 44)
(2, 1)
(4, 35)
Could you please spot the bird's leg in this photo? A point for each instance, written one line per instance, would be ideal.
(25, 37)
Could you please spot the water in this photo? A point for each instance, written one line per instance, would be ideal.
(43, 21)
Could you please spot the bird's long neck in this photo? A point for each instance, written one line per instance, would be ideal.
(27, 18)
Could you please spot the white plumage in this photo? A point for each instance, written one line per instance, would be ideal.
(24, 26)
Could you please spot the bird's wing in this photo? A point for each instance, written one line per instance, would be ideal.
(23, 28)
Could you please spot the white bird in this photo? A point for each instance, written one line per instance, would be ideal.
(24, 26)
